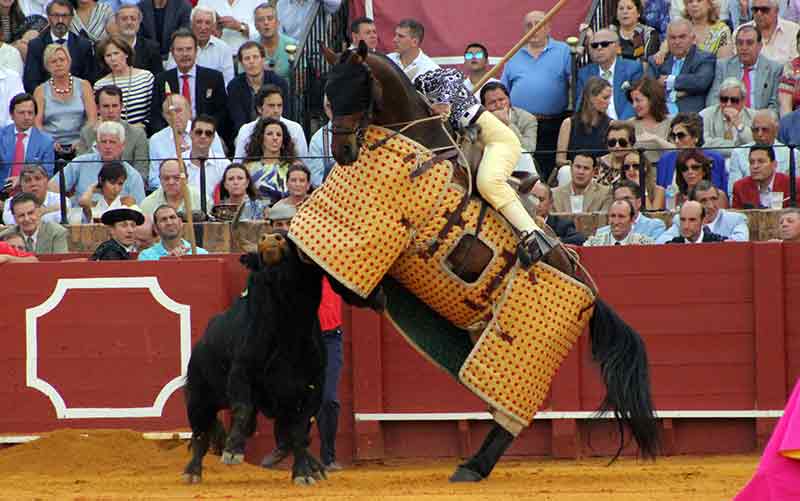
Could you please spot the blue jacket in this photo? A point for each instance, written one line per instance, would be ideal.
(625, 70)
(644, 225)
(39, 150)
(695, 78)
(666, 169)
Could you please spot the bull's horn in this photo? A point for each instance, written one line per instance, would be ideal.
(236, 232)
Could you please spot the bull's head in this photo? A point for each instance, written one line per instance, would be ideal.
(271, 248)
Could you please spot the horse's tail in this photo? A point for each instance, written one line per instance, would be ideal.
(623, 362)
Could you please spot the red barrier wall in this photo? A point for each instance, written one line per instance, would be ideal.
(717, 320)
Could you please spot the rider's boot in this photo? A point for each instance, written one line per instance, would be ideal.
(534, 243)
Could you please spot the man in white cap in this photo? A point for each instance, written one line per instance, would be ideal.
(122, 222)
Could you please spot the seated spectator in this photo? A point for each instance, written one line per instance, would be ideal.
(586, 129)
(280, 217)
(759, 189)
(108, 100)
(116, 62)
(652, 118)
(245, 85)
(212, 52)
(693, 231)
(22, 27)
(144, 234)
(765, 131)
(495, 98)
(105, 195)
(90, 20)
(10, 86)
(12, 250)
(294, 15)
(779, 34)
(80, 61)
(630, 191)
(271, 153)
(204, 130)
(298, 185)
(710, 32)
(122, 223)
(725, 223)
(273, 40)
(583, 193)
(176, 111)
(64, 103)
(169, 227)
(687, 72)
(40, 237)
(759, 75)
(653, 193)
(476, 65)
(726, 124)
(158, 26)
(363, 28)
(686, 131)
(611, 67)
(16, 150)
(82, 172)
(320, 158)
(268, 102)
(146, 52)
(563, 227)
(10, 59)
(237, 189)
(691, 166)
(789, 128)
(620, 229)
(33, 180)
(170, 191)
(638, 41)
(789, 225)
(620, 138)
(789, 86)
(235, 19)
(408, 55)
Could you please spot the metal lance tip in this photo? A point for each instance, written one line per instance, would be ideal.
(291, 49)
(573, 44)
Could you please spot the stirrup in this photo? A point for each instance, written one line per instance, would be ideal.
(533, 246)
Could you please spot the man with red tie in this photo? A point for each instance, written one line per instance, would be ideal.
(21, 143)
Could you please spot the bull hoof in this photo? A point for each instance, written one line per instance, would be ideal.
(304, 481)
(465, 475)
(192, 478)
(232, 458)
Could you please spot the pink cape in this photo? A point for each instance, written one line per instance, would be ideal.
(778, 476)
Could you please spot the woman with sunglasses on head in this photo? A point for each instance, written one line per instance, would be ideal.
(654, 194)
(652, 117)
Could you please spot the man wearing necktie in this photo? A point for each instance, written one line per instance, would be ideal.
(21, 142)
(687, 72)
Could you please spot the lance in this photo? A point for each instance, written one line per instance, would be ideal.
(187, 199)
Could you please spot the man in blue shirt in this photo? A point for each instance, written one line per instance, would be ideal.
(169, 227)
(538, 77)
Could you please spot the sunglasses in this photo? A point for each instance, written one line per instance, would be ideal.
(696, 168)
(729, 99)
(763, 10)
(621, 141)
(630, 166)
(469, 56)
(678, 135)
(203, 132)
(603, 44)
(760, 129)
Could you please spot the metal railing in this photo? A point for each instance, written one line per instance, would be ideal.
(309, 68)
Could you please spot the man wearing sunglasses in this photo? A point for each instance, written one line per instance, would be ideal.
(759, 74)
(778, 34)
(476, 64)
(608, 65)
(726, 124)
(202, 132)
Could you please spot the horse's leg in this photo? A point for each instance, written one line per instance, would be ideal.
(242, 414)
(479, 466)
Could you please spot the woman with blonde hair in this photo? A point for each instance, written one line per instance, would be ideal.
(711, 34)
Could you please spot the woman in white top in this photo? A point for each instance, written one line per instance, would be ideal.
(105, 195)
(116, 57)
(90, 20)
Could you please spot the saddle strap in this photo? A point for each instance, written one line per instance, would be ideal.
(481, 216)
(425, 166)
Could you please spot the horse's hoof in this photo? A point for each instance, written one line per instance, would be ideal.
(304, 481)
(192, 478)
(232, 458)
(465, 475)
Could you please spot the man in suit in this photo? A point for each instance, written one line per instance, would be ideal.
(21, 143)
(562, 226)
(692, 216)
(251, 57)
(40, 237)
(608, 65)
(204, 88)
(147, 53)
(159, 26)
(620, 230)
(687, 72)
(757, 190)
(59, 15)
(725, 223)
(643, 225)
(583, 193)
(759, 74)
(726, 124)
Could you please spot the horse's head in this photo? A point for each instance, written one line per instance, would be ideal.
(354, 95)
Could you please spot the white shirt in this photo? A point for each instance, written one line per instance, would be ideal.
(216, 55)
(295, 131)
(162, 145)
(612, 110)
(699, 239)
(421, 64)
(34, 7)
(10, 86)
(101, 206)
(242, 11)
(10, 58)
(469, 86)
(51, 200)
(55, 38)
(293, 14)
(214, 169)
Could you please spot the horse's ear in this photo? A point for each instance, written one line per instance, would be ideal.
(328, 54)
(363, 50)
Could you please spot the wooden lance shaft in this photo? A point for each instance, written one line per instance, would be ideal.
(187, 198)
(546, 19)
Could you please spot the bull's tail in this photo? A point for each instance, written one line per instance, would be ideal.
(623, 363)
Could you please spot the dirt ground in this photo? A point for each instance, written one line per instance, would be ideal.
(106, 465)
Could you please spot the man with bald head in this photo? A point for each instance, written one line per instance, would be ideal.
(693, 231)
(687, 72)
(538, 79)
(611, 67)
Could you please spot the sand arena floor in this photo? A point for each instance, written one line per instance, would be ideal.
(106, 465)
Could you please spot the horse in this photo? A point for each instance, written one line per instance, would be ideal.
(398, 212)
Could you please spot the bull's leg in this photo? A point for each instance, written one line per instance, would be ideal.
(306, 469)
(479, 466)
(202, 418)
(242, 414)
(193, 473)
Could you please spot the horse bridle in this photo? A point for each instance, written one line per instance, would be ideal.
(366, 118)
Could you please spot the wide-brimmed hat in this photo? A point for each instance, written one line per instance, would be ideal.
(132, 213)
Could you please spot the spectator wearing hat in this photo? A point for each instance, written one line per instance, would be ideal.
(40, 237)
(122, 223)
(33, 180)
(168, 226)
(280, 216)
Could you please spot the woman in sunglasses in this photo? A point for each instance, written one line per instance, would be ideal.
(692, 167)
(654, 194)
(652, 118)
(586, 129)
(620, 138)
